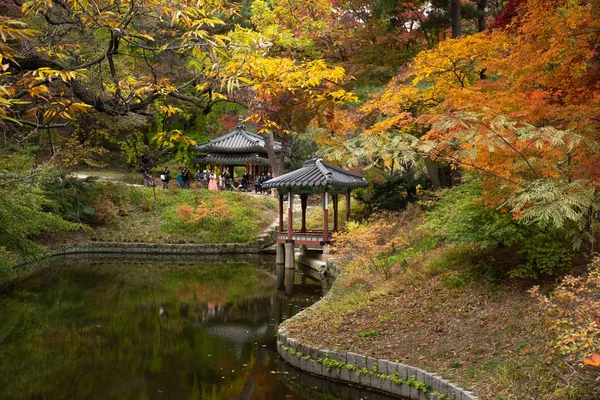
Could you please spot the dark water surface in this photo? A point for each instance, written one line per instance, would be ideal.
(85, 329)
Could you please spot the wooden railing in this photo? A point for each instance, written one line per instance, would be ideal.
(309, 237)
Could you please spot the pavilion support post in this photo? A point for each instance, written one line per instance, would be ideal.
(290, 257)
(289, 245)
(280, 254)
(280, 212)
(334, 199)
(325, 217)
(304, 203)
(290, 215)
(348, 205)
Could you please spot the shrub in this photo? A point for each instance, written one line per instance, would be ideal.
(461, 216)
(543, 254)
(374, 244)
(106, 210)
(570, 317)
(392, 191)
(22, 219)
(72, 198)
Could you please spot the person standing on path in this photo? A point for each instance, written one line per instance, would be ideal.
(245, 181)
(198, 177)
(212, 183)
(165, 178)
(179, 178)
(205, 179)
(186, 178)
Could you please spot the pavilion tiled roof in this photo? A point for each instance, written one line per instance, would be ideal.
(317, 173)
(238, 141)
(232, 159)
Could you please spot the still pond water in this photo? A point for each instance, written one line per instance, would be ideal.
(99, 329)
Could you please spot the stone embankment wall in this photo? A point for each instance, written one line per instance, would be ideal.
(387, 376)
(150, 250)
(265, 239)
(159, 249)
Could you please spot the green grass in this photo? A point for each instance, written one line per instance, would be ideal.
(133, 215)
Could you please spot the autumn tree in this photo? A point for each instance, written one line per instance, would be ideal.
(519, 105)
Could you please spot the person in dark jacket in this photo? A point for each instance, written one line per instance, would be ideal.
(165, 177)
(186, 176)
(266, 179)
(258, 184)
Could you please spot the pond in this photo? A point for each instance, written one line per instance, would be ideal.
(147, 329)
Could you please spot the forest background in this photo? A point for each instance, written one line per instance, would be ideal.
(499, 101)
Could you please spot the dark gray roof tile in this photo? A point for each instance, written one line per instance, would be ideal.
(238, 141)
(316, 173)
(232, 159)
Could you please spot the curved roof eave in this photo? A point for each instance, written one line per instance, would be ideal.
(316, 173)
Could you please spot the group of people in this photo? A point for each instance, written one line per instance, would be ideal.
(258, 186)
(183, 178)
(208, 180)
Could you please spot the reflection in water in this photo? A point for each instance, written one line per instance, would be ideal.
(280, 268)
(289, 281)
(116, 330)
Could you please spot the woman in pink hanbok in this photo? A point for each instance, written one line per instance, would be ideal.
(212, 183)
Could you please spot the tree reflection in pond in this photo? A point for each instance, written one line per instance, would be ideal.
(104, 330)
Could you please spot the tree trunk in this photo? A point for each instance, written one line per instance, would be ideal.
(481, 6)
(455, 18)
(275, 159)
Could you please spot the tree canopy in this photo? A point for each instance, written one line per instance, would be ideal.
(506, 89)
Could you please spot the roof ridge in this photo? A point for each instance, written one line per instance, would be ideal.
(248, 136)
(323, 169)
(345, 171)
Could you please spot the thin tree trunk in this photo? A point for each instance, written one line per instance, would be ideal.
(481, 6)
(455, 18)
(276, 159)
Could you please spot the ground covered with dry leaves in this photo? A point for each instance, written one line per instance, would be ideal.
(429, 305)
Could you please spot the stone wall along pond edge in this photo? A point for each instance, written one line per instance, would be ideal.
(396, 379)
(167, 249)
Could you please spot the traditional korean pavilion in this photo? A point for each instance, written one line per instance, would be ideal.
(315, 177)
(237, 148)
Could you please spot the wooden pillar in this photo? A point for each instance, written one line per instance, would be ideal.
(334, 198)
(325, 216)
(304, 203)
(348, 205)
(290, 214)
(280, 212)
